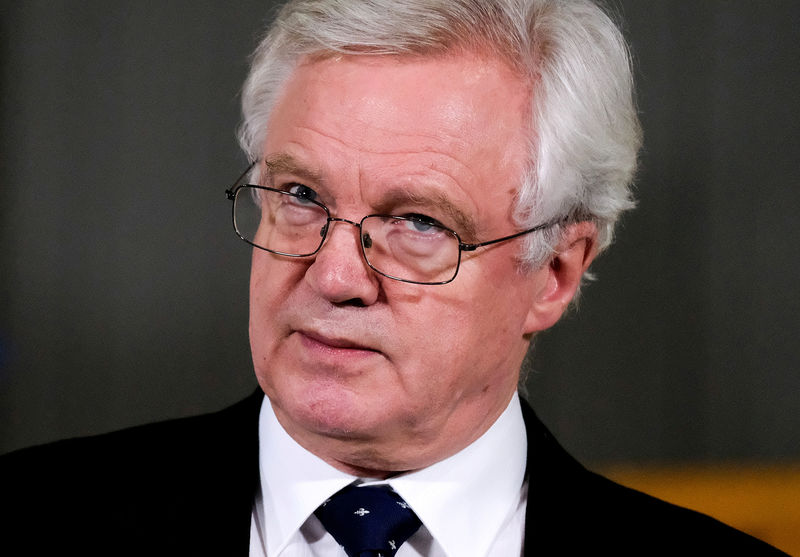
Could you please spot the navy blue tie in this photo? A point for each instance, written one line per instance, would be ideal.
(369, 521)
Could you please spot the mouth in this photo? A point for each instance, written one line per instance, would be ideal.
(333, 346)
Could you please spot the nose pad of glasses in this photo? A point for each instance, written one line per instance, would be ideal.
(323, 230)
(366, 241)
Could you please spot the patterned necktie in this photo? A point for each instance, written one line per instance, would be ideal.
(369, 521)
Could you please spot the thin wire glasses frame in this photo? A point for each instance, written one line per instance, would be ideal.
(238, 188)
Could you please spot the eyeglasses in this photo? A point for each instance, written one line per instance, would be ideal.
(408, 248)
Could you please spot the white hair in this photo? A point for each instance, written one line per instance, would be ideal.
(584, 131)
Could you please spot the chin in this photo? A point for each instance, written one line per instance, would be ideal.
(329, 410)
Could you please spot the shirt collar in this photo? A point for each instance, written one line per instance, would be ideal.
(488, 475)
(294, 482)
(465, 499)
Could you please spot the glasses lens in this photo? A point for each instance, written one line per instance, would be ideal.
(410, 249)
(279, 221)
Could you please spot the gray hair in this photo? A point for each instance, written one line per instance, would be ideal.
(584, 130)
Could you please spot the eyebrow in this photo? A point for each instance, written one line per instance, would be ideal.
(432, 198)
(289, 165)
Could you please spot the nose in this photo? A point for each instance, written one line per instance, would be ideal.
(339, 272)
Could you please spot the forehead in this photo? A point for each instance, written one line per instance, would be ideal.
(456, 121)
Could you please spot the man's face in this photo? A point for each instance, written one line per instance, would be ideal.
(367, 372)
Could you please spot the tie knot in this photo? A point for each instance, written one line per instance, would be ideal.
(368, 521)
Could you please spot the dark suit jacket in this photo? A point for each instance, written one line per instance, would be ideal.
(186, 487)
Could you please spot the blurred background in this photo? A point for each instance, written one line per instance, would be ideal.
(123, 289)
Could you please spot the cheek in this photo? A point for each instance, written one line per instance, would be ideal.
(260, 296)
(440, 339)
(487, 325)
(272, 277)
(271, 282)
(263, 267)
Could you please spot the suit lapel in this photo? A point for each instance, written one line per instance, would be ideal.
(554, 477)
(226, 479)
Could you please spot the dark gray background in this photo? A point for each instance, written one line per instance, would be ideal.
(124, 291)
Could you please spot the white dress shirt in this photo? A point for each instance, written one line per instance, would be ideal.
(471, 504)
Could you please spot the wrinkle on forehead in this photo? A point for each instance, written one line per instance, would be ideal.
(439, 160)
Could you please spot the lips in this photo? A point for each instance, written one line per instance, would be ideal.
(321, 341)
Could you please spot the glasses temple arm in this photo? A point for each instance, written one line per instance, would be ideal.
(230, 191)
(473, 247)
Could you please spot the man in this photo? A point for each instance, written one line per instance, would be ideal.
(430, 182)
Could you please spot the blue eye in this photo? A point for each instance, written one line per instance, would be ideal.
(422, 223)
(302, 191)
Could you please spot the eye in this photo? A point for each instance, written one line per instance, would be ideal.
(302, 191)
(422, 223)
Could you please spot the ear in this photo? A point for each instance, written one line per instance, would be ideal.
(559, 279)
